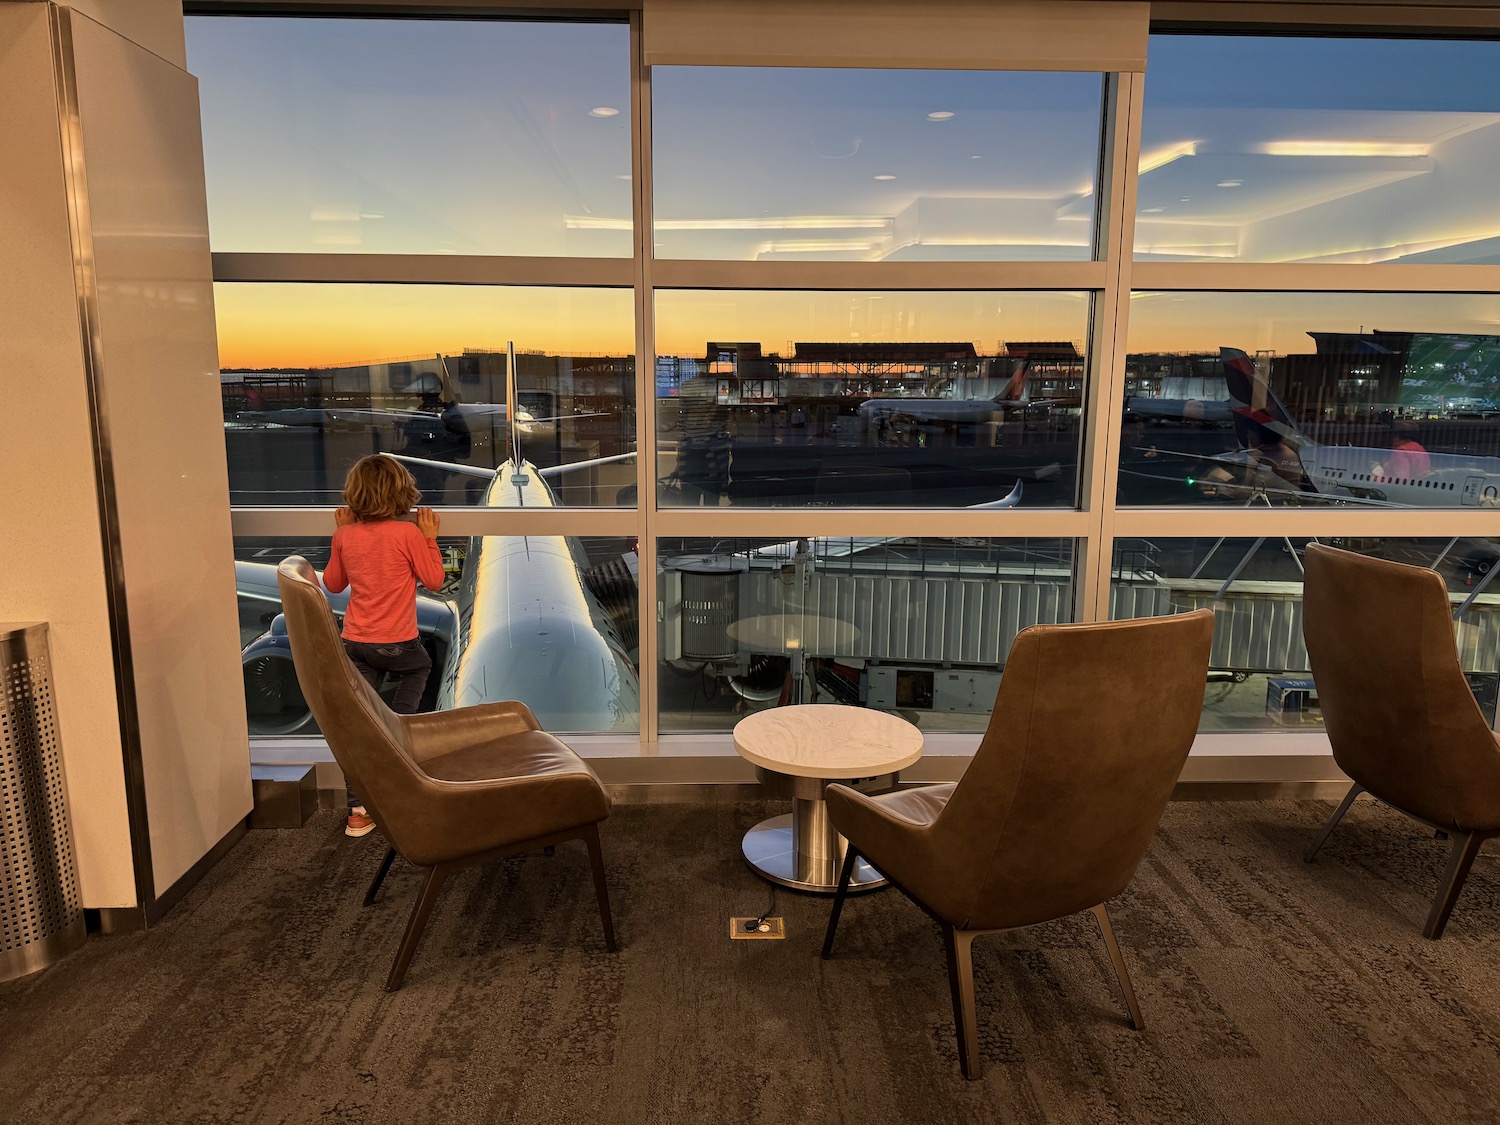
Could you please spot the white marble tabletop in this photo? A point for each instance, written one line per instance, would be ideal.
(823, 740)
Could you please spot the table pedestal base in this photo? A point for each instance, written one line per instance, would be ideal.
(801, 850)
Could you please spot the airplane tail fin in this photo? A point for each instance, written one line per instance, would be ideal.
(1015, 389)
(449, 396)
(1256, 407)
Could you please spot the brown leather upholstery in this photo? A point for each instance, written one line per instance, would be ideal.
(1401, 719)
(1090, 730)
(446, 789)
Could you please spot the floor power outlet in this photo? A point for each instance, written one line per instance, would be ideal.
(768, 928)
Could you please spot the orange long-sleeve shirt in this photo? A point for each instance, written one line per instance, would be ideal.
(380, 562)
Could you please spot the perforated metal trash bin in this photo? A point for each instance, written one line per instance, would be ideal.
(41, 917)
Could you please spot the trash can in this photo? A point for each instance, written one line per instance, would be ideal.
(41, 918)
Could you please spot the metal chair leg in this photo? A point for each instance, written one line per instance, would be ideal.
(1101, 916)
(380, 874)
(960, 946)
(601, 889)
(851, 857)
(1466, 846)
(415, 925)
(1338, 815)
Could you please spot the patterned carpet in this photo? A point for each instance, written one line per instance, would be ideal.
(1272, 990)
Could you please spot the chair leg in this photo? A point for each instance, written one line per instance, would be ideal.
(960, 946)
(851, 857)
(1101, 916)
(415, 925)
(1466, 846)
(601, 889)
(1338, 815)
(380, 874)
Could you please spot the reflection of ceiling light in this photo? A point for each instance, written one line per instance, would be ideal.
(371, 215)
(885, 176)
(811, 246)
(622, 175)
(976, 156)
(785, 222)
(1230, 183)
(1153, 210)
(1150, 161)
(1344, 148)
(940, 115)
(604, 111)
(1186, 199)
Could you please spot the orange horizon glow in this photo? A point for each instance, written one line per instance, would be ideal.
(315, 326)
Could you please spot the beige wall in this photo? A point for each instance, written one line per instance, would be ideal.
(50, 552)
(153, 24)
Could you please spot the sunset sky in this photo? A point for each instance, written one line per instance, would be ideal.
(494, 137)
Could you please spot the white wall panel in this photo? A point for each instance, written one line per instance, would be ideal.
(160, 402)
(51, 559)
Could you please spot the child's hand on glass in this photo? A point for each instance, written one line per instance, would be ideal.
(342, 517)
(427, 523)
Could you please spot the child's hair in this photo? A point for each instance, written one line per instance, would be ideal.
(379, 488)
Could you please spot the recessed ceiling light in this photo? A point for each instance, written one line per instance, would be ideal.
(1230, 183)
(885, 176)
(604, 111)
(940, 115)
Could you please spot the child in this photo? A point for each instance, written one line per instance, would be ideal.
(379, 555)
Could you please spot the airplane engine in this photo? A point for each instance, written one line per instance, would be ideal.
(274, 704)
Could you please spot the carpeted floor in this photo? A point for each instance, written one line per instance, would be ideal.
(1272, 991)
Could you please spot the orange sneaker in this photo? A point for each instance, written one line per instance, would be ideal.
(360, 823)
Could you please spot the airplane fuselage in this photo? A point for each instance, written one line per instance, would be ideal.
(1452, 480)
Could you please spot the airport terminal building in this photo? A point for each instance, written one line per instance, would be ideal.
(757, 357)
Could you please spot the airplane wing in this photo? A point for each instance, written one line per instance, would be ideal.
(830, 547)
(490, 474)
(558, 470)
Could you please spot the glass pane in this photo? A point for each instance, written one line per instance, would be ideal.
(1304, 149)
(553, 624)
(800, 164)
(394, 136)
(920, 627)
(1259, 676)
(1357, 399)
(869, 399)
(310, 384)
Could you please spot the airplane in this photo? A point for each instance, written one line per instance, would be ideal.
(877, 414)
(523, 624)
(1278, 458)
(451, 417)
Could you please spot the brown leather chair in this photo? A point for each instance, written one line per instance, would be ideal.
(450, 789)
(1089, 733)
(1400, 716)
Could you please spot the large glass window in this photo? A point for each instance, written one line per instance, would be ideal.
(1319, 150)
(1259, 677)
(316, 376)
(397, 136)
(870, 399)
(1352, 399)
(550, 620)
(801, 164)
(921, 627)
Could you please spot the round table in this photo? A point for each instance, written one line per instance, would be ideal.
(797, 751)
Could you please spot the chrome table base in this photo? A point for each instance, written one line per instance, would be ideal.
(801, 850)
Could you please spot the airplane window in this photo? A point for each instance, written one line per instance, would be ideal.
(1319, 149)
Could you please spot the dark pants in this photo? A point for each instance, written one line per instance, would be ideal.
(406, 660)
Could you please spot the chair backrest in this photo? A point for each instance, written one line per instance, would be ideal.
(1400, 716)
(368, 740)
(1091, 727)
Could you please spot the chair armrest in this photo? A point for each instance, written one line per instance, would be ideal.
(442, 732)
